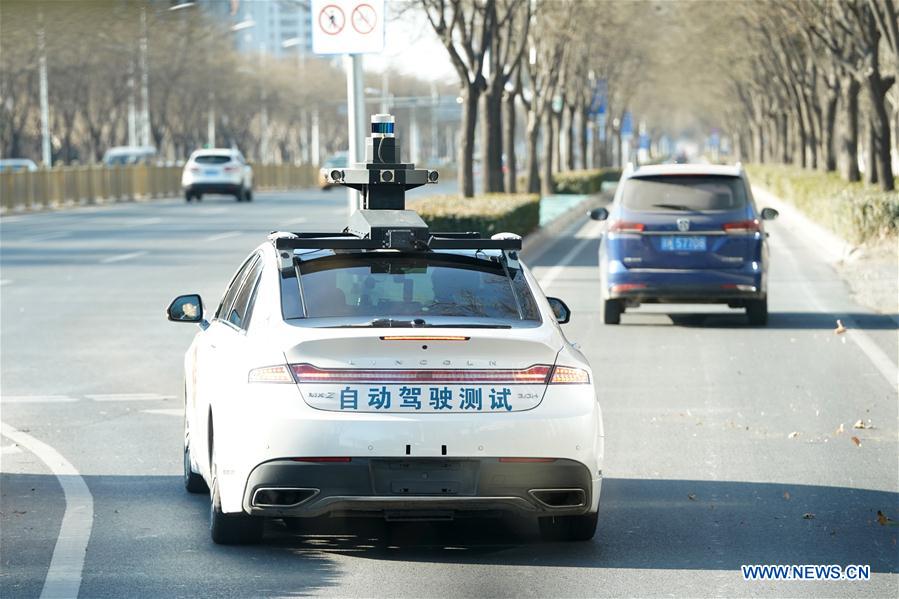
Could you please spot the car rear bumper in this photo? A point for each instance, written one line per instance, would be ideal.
(687, 286)
(214, 187)
(419, 488)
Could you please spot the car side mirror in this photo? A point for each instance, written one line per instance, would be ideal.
(769, 213)
(186, 308)
(560, 310)
(599, 214)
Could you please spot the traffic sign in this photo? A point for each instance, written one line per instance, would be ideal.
(347, 26)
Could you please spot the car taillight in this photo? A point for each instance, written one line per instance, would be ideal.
(307, 373)
(566, 375)
(326, 459)
(271, 374)
(743, 226)
(526, 460)
(622, 287)
(620, 226)
(231, 169)
(195, 169)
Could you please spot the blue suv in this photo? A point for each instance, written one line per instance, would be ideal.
(684, 233)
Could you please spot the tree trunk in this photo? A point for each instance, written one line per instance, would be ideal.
(880, 128)
(509, 146)
(533, 159)
(470, 95)
(584, 128)
(557, 134)
(492, 138)
(758, 155)
(850, 140)
(830, 118)
(872, 153)
(569, 149)
(549, 149)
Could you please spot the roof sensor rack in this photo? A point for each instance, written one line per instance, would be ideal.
(383, 221)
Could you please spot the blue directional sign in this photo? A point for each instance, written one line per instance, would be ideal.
(627, 125)
(600, 98)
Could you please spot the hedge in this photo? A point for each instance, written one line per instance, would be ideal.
(486, 213)
(584, 182)
(858, 212)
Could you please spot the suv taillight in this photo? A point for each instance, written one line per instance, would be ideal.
(620, 226)
(743, 226)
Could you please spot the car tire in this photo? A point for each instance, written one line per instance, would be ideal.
(232, 529)
(611, 311)
(757, 311)
(188, 197)
(248, 196)
(568, 528)
(193, 482)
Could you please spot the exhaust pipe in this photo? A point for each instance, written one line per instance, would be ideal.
(282, 497)
(560, 498)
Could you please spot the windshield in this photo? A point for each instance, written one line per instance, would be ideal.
(410, 290)
(684, 193)
(212, 159)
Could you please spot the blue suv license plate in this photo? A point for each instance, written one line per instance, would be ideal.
(683, 243)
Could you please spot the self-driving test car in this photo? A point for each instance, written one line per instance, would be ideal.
(684, 233)
(390, 371)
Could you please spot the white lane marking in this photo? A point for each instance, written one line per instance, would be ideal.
(64, 575)
(221, 236)
(296, 221)
(129, 397)
(36, 399)
(5, 282)
(122, 257)
(47, 237)
(9, 449)
(166, 411)
(884, 365)
(587, 233)
(10, 219)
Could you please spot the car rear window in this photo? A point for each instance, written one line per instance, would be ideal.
(684, 193)
(440, 290)
(212, 159)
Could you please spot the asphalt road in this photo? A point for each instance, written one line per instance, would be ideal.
(723, 441)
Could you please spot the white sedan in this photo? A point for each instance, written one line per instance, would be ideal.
(217, 170)
(397, 384)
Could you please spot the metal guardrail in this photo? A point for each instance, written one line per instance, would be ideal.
(71, 186)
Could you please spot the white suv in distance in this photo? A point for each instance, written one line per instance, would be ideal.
(403, 384)
(217, 170)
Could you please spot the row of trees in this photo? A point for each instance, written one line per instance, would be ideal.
(274, 110)
(547, 59)
(804, 78)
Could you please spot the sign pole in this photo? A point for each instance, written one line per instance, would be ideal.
(355, 119)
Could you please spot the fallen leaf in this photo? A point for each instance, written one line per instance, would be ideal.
(787, 495)
(885, 520)
(808, 516)
(692, 497)
(857, 442)
(840, 328)
(793, 435)
(840, 430)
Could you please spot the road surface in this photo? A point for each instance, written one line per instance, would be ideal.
(726, 445)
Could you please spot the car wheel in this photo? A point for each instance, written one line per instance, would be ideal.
(232, 529)
(188, 196)
(568, 528)
(757, 311)
(248, 197)
(611, 311)
(193, 482)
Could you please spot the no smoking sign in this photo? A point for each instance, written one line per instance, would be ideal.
(347, 26)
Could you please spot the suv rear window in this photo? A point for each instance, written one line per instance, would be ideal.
(212, 159)
(684, 193)
(441, 290)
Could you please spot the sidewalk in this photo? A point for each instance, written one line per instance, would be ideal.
(871, 270)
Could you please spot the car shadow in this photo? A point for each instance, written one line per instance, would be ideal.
(654, 524)
(787, 320)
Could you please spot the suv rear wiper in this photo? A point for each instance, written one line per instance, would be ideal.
(674, 207)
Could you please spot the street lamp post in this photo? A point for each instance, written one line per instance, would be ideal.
(46, 154)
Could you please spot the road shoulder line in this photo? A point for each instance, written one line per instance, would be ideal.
(64, 574)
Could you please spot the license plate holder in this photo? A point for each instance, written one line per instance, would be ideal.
(424, 477)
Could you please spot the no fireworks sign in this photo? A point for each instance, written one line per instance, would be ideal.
(347, 26)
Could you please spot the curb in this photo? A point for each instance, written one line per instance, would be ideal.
(551, 231)
(830, 246)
